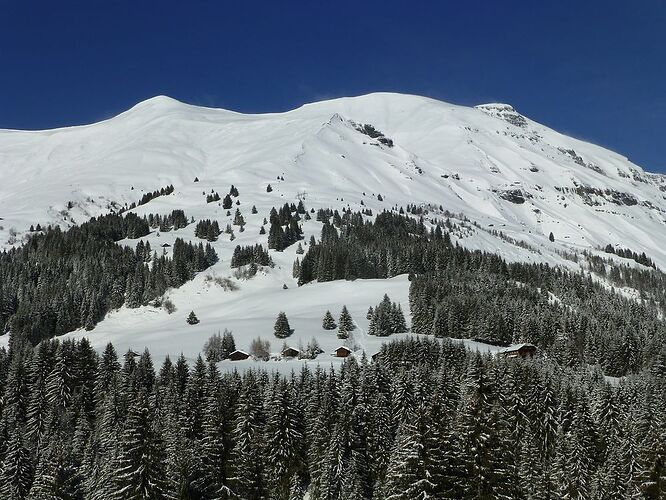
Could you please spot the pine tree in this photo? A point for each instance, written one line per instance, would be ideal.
(248, 477)
(141, 464)
(192, 319)
(329, 322)
(211, 478)
(343, 333)
(228, 343)
(651, 477)
(407, 477)
(282, 329)
(16, 473)
(283, 439)
(346, 322)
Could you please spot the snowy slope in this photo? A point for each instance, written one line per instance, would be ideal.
(489, 164)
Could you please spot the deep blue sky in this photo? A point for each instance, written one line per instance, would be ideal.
(595, 70)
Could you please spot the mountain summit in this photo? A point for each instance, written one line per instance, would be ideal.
(490, 163)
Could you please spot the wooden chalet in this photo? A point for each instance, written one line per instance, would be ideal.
(238, 355)
(519, 351)
(342, 352)
(290, 352)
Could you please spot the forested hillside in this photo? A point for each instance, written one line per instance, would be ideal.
(428, 419)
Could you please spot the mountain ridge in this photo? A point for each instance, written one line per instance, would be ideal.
(489, 162)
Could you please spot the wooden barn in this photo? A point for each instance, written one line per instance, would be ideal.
(290, 352)
(342, 352)
(519, 351)
(238, 355)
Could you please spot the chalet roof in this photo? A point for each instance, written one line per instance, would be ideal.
(293, 349)
(342, 347)
(517, 347)
(238, 351)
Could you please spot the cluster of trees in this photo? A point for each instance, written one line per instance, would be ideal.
(344, 325)
(427, 420)
(213, 196)
(239, 220)
(461, 293)
(280, 237)
(218, 347)
(175, 220)
(227, 202)
(352, 248)
(650, 283)
(165, 191)
(627, 253)
(251, 254)
(207, 230)
(115, 227)
(386, 318)
(60, 281)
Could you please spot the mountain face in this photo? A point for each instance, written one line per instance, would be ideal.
(342, 234)
(490, 163)
(510, 181)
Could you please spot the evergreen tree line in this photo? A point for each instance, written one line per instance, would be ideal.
(627, 253)
(650, 283)
(251, 254)
(207, 230)
(147, 197)
(165, 191)
(59, 281)
(214, 196)
(461, 293)
(344, 325)
(280, 237)
(428, 419)
(175, 220)
(386, 318)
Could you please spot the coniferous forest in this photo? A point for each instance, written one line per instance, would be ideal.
(60, 281)
(424, 418)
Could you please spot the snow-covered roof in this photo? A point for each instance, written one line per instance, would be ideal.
(238, 351)
(516, 347)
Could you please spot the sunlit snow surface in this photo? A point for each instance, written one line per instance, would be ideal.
(468, 160)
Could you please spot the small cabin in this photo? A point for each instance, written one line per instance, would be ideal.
(165, 245)
(238, 355)
(519, 351)
(376, 356)
(290, 352)
(342, 352)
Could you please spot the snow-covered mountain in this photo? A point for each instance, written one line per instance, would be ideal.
(489, 164)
